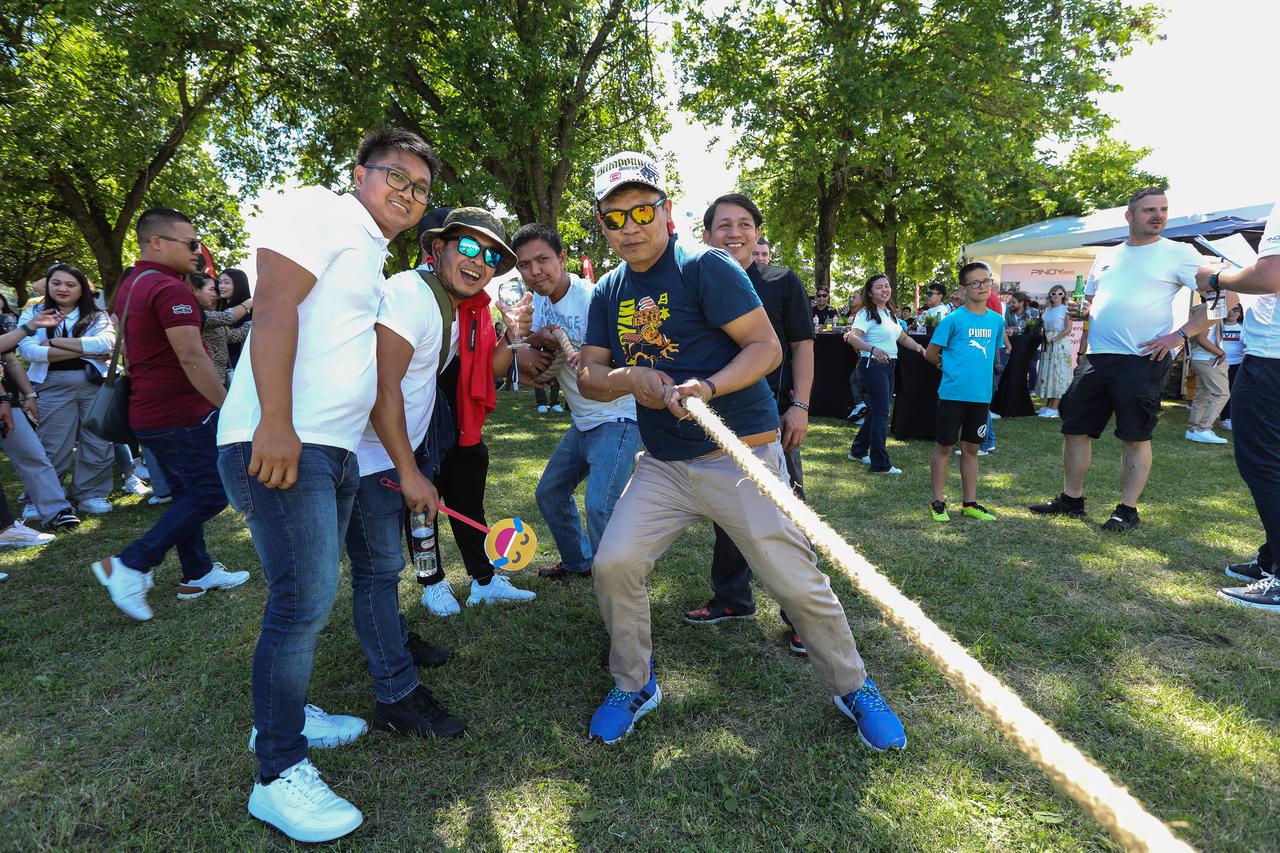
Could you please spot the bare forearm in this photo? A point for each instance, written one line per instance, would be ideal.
(602, 383)
(502, 358)
(388, 422)
(203, 376)
(13, 368)
(755, 360)
(57, 354)
(1260, 279)
(273, 352)
(802, 370)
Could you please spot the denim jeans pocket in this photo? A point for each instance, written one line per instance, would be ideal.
(233, 466)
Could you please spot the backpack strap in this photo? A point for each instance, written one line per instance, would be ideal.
(112, 370)
(446, 312)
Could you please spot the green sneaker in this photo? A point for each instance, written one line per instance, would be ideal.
(978, 511)
(938, 509)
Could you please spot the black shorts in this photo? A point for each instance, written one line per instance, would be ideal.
(963, 419)
(1127, 385)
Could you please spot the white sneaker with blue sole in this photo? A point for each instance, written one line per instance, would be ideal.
(499, 590)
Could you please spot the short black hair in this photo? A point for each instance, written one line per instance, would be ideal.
(376, 143)
(732, 198)
(537, 231)
(153, 219)
(764, 241)
(1143, 193)
(432, 220)
(970, 267)
(940, 289)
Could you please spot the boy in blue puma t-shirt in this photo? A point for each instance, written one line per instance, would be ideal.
(964, 346)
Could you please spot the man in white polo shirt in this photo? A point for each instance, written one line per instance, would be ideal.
(1130, 295)
(603, 439)
(1255, 410)
(287, 435)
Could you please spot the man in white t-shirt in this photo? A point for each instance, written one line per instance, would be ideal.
(936, 302)
(288, 435)
(1131, 298)
(1255, 409)
(601, 443)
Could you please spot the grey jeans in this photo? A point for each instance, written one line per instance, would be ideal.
(65, 396)
(44, 490)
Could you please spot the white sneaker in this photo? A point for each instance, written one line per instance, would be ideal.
(865, 460)
(18, 535)
(128, 587)
(216, 578)
(157, 500)
(994, 416)
(303, 807)
(140, 469)
(1205, 436)
(30, 515)
(558, 409)
(981, 452)
(95, 506)
(323, 730)
(4, 576)
(134, 486)
(542, 410)
(1227, 424)
(892, 470)
(498, 590)
(439, 600)
(1047, 412)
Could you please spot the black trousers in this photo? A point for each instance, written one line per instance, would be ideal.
(6, 514)
(1255, 418)
(730, 574)
(461, 483)
(549, 396)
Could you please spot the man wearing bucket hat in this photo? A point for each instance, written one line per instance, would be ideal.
(467, 250)
(669, 323)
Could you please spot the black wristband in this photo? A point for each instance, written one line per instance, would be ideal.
(796, 404)
(713, 387)
(27, 328)
(5, 398)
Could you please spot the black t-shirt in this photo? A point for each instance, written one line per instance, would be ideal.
(787, 304)
(823, 315)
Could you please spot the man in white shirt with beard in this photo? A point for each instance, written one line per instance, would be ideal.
(601, 443)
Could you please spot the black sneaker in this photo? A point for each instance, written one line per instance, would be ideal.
(713, 614)
(1122, 518)
(425, 654)
(797, 645)
(1249, 571)
(64, 520)
(1264, 595)
(417, 714)
(1061, 505)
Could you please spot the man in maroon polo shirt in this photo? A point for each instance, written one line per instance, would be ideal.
(173, 410)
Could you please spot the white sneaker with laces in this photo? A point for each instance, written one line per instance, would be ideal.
(95, 506)
(18, 535)
(324, 730)
(140, 469)
(303, 807)
(30, 515)
(497, 591)
(133, 485)
(892, 470)
(981, 452)
(128, 587)
(1205, 436)
(438, 599)
(216, 578)
(1047, 412)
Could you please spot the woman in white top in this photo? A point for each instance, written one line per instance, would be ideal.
(67, 364)
(877, 336)
(1055, 361)
(1233, 346)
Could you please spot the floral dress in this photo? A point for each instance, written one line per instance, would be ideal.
(1055, 362)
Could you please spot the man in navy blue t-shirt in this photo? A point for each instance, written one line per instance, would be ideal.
(666, 324)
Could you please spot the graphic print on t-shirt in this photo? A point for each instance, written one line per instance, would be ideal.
(640, 331)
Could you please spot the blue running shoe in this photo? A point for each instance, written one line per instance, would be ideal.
(878, 727)
(617, 715)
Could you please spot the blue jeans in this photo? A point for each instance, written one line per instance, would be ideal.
(877, 384)
(297, 533)
(373, 544)
(603, 456)
(189, 458)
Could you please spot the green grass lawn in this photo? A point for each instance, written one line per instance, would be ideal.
(115, 734)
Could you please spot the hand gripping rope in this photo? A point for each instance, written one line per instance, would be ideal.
(1112, 806)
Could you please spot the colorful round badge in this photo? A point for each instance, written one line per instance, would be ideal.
(510, 544)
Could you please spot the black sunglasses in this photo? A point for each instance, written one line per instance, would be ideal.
(192, 245)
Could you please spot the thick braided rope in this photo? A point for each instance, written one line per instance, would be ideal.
(1112, 806)
(557, 361)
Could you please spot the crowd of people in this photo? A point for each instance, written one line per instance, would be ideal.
(354, 406)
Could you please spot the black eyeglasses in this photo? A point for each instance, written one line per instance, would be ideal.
(469, 247)
(641, 214)
(982, 282)
(400, 182)
(192, 245)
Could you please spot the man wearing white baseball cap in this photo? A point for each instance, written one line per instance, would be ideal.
(666, 324)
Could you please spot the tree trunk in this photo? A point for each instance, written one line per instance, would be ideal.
(831, 191)
(890, 245)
